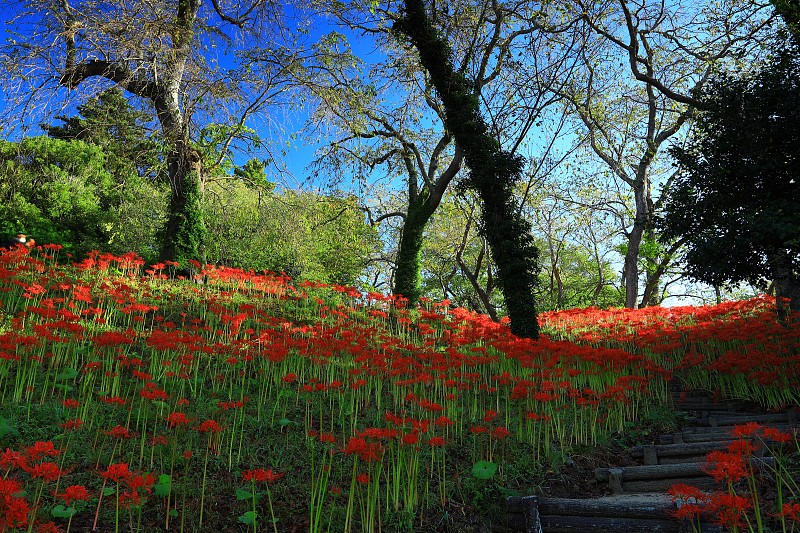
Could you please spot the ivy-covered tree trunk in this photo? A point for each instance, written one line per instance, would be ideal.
(185, 231)
(421, 206)
(493, 171)
(407, 277)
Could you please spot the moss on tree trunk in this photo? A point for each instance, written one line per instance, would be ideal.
(185, 231)
(493, 171)
(407, 277)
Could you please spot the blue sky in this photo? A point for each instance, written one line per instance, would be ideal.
(298, 154)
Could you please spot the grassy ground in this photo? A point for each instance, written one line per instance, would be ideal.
(250, 403)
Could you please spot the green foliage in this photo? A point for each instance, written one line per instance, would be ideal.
(138, 219)
(789, 10)
(110, 122)
(305, 235)
(737, 195)
(580, 280)
(57, 191)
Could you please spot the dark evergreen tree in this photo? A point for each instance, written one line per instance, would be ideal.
(110, 122)
(739, 186)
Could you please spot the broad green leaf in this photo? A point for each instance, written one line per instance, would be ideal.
(242, 494)
(484, 469)
(6, 429)
(248, 518)
(59, 511)
(67, 373)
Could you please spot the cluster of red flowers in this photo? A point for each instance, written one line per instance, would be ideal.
(730, 468)
(130, 350)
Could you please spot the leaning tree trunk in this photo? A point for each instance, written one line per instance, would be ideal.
(493, 171)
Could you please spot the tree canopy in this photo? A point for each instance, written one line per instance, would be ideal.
(736, 197)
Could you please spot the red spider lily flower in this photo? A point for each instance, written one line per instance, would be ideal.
(363, 479)
(159, 440)
(436, 442)
(41, 449)
(187, 454)
(500, 433)
(745, 448)
(71, 403)
(12, 459)
(91, 366)
(393, 419)
(74, 493)
(113, 400)
(726, 466)
(443, 421)
(72, 424)
(177, 419)
(48, 527)
(129, 499)
(49, 471)
(142, 481)
(378, 433)
(117, 472)
(478, 429)
(729, 510)
(114, 338)
(776, 435)
(13, 508)
(689, 501)
(327, 437)
(152, 392)
(490, 415)
(261, 475)
(411, 438)
(688, 511)
(791, 511)
(684, 492)
(335, 490)
(209, 426)
(119, 432)
(750, 429)
(366, 451)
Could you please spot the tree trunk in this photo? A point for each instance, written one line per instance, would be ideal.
(493, 171)
(185, 231)
(407, 278)
(631, 268)
(787, 286)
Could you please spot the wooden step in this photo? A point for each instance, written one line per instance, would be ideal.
(660, 477)
(654, 454)
(632, 513)
(765, 419)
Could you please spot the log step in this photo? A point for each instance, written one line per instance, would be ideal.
(632, 513)
(660, 477)
(677, 450)
(767, 419)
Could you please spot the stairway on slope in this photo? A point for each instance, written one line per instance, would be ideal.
(638, 502)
